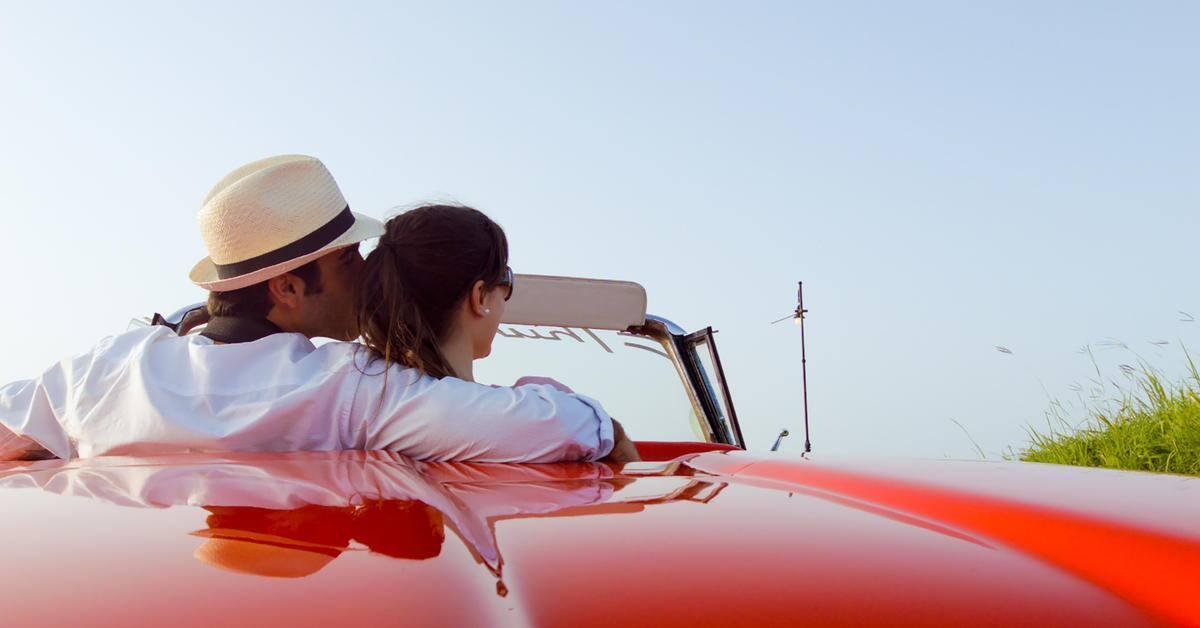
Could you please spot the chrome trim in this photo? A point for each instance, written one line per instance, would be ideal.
(671, 327)
(704, 389)
(177, 316)
(182, 321)
(669, 336)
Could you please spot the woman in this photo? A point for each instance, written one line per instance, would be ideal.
(432, 295)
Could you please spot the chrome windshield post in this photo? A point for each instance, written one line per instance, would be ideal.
(705, 384)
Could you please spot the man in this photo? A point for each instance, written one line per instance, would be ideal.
(283, 259)
(283, 249)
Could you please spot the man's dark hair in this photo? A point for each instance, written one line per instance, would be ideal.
(254, 301)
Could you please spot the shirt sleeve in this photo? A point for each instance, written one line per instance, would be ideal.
(451, 419)
(14, 447)
(29, 421)
(40, 410)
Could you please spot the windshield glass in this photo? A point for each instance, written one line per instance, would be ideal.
(631, 376)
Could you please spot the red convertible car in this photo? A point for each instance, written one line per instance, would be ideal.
(701, 533)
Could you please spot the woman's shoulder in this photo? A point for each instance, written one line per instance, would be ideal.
(366, 361)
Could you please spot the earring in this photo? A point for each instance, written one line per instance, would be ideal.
(487, 311)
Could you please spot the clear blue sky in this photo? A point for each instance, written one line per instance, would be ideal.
(945, 177)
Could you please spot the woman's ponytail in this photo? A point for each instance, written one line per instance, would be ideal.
(425, 263)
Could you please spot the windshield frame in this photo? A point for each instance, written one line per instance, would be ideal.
(698, 382)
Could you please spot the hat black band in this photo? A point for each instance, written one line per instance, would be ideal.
(310, 243)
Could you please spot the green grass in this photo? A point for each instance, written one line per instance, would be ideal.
(1151, 425)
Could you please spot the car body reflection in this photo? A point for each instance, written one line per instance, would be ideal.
(289, 516)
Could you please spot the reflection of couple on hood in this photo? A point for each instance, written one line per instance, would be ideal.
(300, 541)
(283, 267)
(290, 515)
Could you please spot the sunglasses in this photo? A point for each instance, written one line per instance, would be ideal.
(508, 281)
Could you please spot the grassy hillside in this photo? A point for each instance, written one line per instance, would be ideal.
(1152, 426)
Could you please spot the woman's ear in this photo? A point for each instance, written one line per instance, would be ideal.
(475, 299)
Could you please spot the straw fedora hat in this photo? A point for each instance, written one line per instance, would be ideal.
(271, 216)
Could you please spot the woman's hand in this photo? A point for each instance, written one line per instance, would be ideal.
(533, 379)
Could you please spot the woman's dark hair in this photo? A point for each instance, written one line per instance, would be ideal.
(425, 264)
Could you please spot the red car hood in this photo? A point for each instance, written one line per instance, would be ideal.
(711, 539)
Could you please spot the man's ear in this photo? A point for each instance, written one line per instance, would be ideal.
(475, 298)
(286, 291)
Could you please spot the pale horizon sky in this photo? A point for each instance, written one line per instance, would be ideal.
(945, 178)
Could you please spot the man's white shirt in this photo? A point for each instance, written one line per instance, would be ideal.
(149, 392)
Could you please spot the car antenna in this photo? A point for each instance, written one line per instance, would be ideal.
(798, 317)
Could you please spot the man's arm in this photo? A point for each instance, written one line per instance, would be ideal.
(14, 447)
(623, 449)
(29, 425)
(451, 419)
